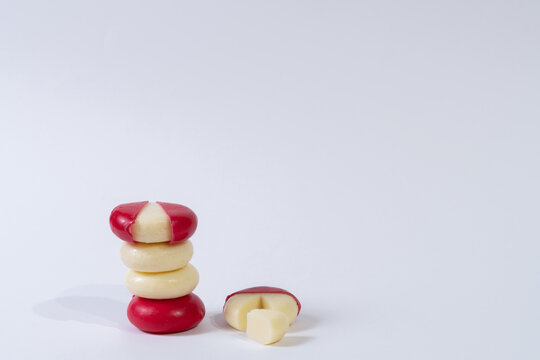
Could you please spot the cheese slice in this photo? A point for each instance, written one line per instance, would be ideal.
(266, 326)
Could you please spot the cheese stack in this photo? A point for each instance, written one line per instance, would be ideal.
(158, 251)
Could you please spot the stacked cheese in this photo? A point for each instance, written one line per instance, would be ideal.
(157, 251)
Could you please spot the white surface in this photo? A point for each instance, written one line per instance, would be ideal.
(378, 159)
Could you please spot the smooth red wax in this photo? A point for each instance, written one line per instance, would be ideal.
(183, 221)
(123, 217)
(166, 316)
(264, 290)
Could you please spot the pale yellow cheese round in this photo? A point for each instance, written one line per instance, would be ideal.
(156, 257)
(266, 326)
(239, 305)
(163, 285)
(281, 302)
(152, 225)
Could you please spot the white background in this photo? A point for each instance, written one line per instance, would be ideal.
(378, 159)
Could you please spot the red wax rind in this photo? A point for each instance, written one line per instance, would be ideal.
(123, 217)
(183, 221)
(264, 290)
(166, 316)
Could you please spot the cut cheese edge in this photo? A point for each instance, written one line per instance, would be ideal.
(152, 225)
(280, 302)
(238, 306)
(266, 326)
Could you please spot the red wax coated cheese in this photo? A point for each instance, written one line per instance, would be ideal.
(123, 217)
(264, 290)
(166, 316)
(182, 219)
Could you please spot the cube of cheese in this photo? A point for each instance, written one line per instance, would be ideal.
(266, 326)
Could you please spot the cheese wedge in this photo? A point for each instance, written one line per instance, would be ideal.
(266, 326)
